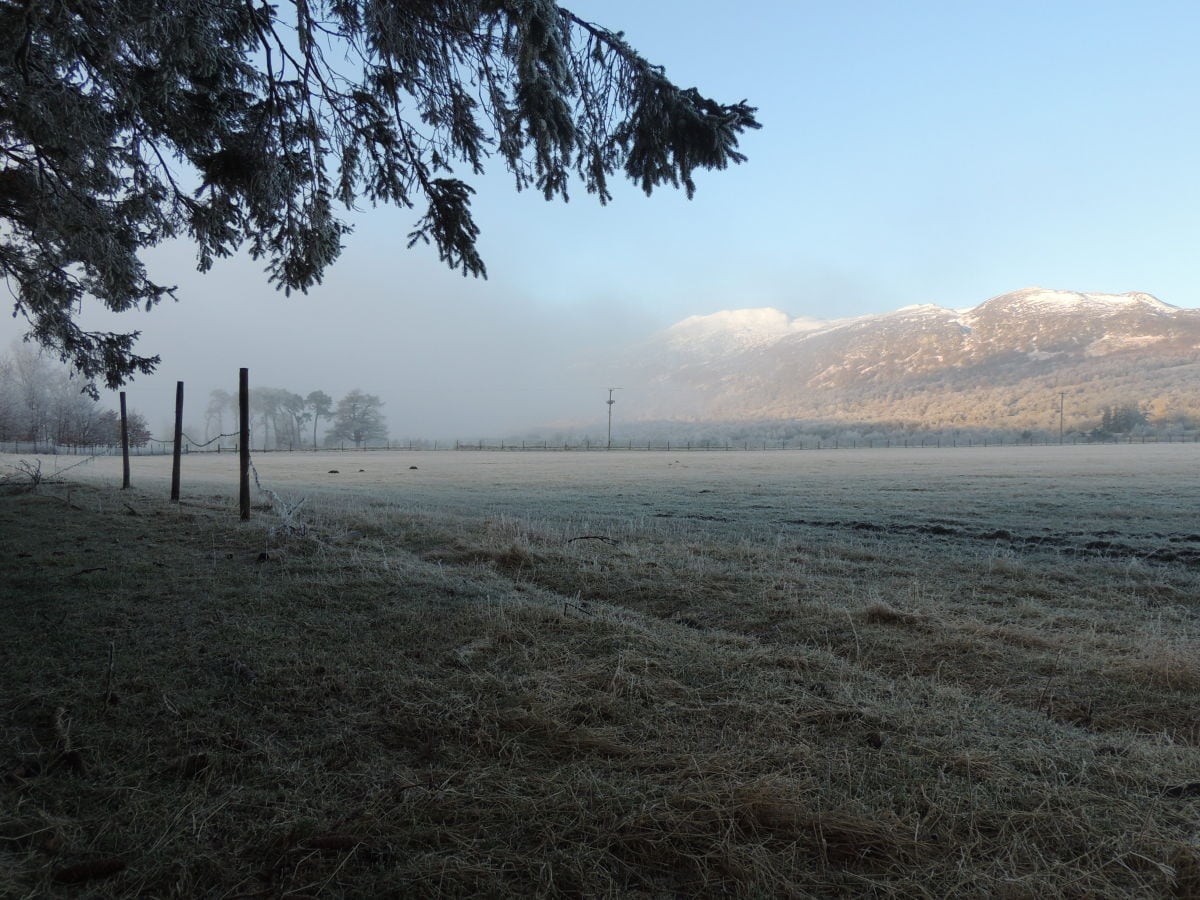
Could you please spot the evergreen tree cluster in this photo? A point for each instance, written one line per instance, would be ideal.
(1123, 419)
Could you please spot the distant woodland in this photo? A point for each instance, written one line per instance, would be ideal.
(41, 402)
(1100, 398)
(1123, 396)
(284, 420)
(1119, 394)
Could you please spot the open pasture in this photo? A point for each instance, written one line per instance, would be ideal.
(970, 672)
(1129, 493)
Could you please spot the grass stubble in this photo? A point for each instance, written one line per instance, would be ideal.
(429, 701)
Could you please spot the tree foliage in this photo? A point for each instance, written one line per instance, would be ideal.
(358, 418)
(240, 123)
(1122, 419)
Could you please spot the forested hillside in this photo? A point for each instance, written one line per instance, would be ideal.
(1108, 362)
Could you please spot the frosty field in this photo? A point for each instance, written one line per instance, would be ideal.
(970, 672)
(1128, 492)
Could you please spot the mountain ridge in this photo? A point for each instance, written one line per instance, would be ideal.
(919, 364)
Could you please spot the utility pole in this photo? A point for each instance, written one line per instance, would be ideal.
(611, 401)
(1062, 399)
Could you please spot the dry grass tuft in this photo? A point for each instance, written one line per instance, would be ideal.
(1185, 860)
(880, 613)
(514, 559)
(1174, 665)
(975, 766)
(89, 871)
(715, 840)
(334, 843)
(539, 731)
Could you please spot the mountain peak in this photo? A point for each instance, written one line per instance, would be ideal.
(1041, 312)
(1050, 300)
(737, 329)
(915, 307)
(919, 363)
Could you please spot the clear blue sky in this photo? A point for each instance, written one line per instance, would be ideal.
(911, 152)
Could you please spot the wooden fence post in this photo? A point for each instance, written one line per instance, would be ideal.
(244, 442)
(178, 441)
(124, 445)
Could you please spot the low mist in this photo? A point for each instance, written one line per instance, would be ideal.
(450, 357)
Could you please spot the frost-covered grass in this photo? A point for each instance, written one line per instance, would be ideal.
(922, 673)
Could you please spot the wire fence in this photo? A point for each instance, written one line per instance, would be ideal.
(815, 443)
(214, 445)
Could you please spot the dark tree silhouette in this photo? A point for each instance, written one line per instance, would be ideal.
(235, 123)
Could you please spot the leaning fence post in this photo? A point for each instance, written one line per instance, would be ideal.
(244, 442)
(178, 441)
(124, 445)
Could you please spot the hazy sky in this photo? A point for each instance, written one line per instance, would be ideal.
(911, 152)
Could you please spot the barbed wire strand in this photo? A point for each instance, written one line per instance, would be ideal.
(22, 465)
(287, 511)
(191, 440)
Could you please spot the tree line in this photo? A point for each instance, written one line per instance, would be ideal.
(42, 401)
(284, 420)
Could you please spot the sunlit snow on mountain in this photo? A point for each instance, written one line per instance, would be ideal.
(1000, 364)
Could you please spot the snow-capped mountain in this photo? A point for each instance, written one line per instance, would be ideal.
(735, 330)
(928, 364)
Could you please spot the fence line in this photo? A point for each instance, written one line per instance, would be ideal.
(818, 444)
(164, 448)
